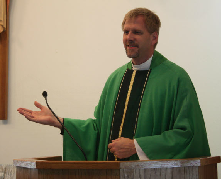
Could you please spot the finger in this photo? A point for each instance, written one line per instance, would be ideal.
(109, 146)
(112, 151)
(24, 112)
(27, 114)
(38, 105)
(117, 139)
(29, 117)
(24, 109)
(114, 140)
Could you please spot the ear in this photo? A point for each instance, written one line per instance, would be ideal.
(154, 38)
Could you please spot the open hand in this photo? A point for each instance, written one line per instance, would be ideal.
(44, 116)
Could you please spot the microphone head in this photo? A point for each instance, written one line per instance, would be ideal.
(44, 94)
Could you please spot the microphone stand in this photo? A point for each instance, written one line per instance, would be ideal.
(44, 94)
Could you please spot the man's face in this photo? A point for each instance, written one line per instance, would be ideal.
(138, 42)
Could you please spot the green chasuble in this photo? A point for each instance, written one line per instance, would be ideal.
(170, 123)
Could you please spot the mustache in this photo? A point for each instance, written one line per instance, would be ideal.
(131, 43)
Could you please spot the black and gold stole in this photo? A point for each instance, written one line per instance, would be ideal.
(127, 106)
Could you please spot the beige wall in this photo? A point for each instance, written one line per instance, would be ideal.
(69, 48)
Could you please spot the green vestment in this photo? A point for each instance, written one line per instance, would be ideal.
(170, 123)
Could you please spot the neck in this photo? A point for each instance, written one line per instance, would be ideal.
(137, 61)
(140, 60)
(143, 66)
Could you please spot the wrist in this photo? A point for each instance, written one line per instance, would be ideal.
(57, 124)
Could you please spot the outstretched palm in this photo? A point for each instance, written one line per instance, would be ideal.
(44, 116)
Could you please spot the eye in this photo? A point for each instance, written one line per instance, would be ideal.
(126, 32)
(137, 32)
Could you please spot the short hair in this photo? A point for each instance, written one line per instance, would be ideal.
(152, 21)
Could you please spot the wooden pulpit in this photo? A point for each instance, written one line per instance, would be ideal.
(55, 168)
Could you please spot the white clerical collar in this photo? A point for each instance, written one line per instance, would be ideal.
(143, 66)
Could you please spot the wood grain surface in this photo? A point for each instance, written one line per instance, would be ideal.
(4, 70)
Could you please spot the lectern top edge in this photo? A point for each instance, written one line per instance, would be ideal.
(170, 163)
(56, 163)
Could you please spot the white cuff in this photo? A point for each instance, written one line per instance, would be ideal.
(140, 152)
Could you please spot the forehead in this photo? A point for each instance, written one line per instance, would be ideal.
(135, 23)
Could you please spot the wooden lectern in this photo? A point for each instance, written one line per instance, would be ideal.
(54, 168)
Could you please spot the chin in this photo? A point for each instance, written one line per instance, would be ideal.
(132, 55)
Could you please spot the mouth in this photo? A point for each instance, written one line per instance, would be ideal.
(132, 46)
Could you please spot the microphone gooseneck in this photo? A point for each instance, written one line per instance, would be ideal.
(44, 94)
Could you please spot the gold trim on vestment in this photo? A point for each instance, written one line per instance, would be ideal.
(127, 101)
(126, 104)
(115, 108)
(144, 87)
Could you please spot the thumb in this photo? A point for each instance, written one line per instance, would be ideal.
(38, 105)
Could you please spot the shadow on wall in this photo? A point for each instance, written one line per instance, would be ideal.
(7, 172)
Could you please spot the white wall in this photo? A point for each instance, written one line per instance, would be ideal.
(69, 48)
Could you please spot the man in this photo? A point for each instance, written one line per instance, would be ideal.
(148, 108)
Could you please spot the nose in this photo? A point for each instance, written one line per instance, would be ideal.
(130, 36)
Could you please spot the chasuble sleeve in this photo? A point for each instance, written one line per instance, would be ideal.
(86, 134)
(186, 138)
(93, 134)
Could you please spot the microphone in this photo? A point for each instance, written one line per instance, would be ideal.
(44, 94)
